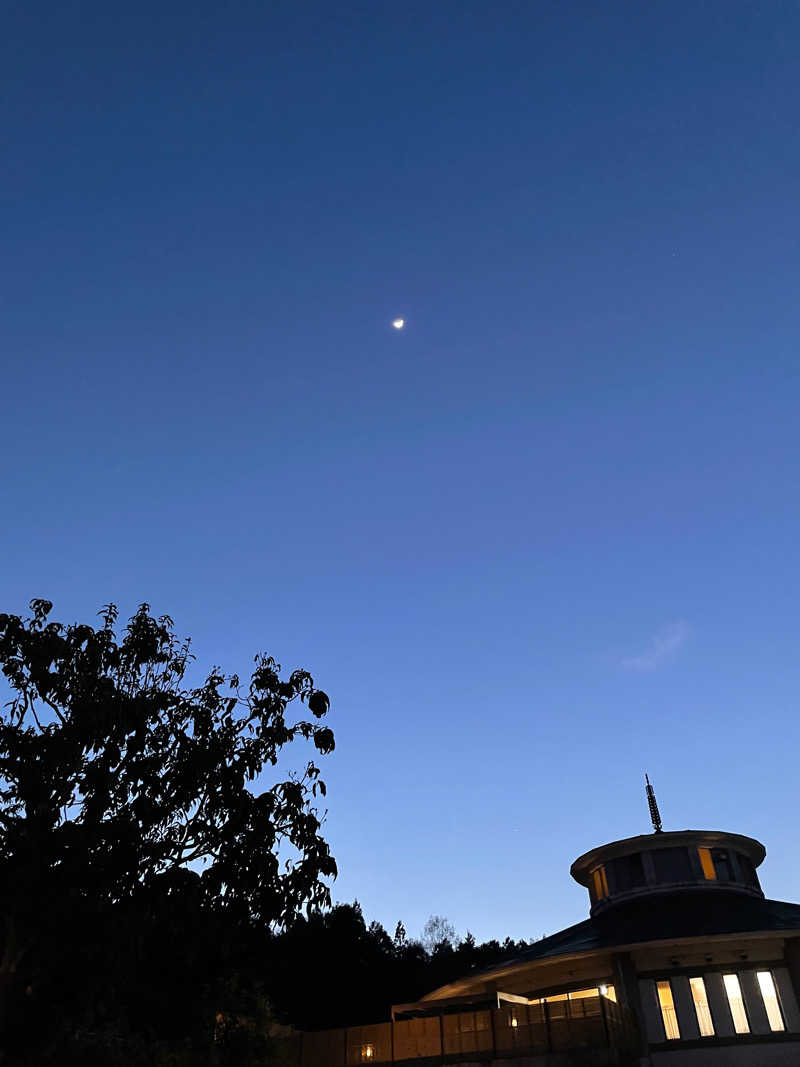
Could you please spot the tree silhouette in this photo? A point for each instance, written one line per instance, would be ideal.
(438, 933)
(360, 968)
(136, 832)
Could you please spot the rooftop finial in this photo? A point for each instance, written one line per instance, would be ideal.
(655, 814)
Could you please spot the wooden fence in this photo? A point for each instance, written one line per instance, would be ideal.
(513, 1030)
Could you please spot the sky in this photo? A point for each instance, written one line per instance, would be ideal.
(540, 541)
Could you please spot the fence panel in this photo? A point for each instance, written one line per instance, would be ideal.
(510, 1031)
(325, 1048)
(622, 1028)
(369, 1044)
(586, 1022)
(467, 1032)
(519, 1029)
(415, 1039)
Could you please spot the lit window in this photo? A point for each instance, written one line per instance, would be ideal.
(701, 1008)
(734, 993)
(600, 882)
(668, 1011)
(581, 994)
(367, 1052)
(584, 994)
(770, 996)
(707, 864)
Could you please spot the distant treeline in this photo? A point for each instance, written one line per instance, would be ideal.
(334, 969)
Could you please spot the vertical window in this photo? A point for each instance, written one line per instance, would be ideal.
(707, 864)
(722, 864)
(668, 1011)
(600, 882)
(672, 865)
(734, 993)
(770, 997)
(628, 872)
(748, 871)
(701, 1008)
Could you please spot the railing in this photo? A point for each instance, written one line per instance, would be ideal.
(515, 1030)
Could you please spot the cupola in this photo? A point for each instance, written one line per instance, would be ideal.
(669, 862)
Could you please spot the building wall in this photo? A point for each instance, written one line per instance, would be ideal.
(760, 1047)
(700, 953)
(577, 1058)
(752, 1055)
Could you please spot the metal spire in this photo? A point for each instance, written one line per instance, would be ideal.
(652, 804)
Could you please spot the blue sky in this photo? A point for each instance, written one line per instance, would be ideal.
(540, 541)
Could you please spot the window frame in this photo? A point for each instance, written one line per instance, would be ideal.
(720, 856)
(748, 874)
(674, 857)
(735, 976)
(776, 994)
(628, 873)
(598, 875)
(707, 863)
(664, 1009)
(701, 978)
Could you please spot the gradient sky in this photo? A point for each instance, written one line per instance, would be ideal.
(541, 541)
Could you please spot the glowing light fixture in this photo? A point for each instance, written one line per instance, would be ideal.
(398, 323)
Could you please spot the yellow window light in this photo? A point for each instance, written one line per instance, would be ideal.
(707, 864)
(770, 997)
(701, 1008)
(600, 882)
(668, 1015)
(736, 1003)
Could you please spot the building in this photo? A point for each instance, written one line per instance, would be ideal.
(682, 961)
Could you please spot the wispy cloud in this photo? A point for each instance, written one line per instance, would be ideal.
(662, 647)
